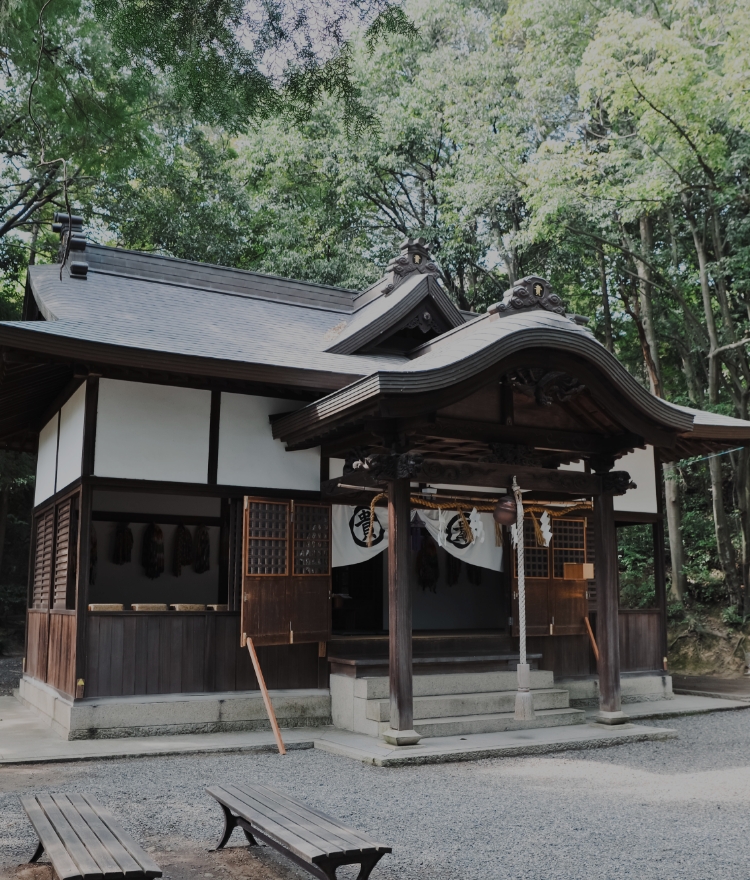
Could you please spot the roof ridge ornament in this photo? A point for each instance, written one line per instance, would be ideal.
(413, 259)
(71, 227)
(531, 292)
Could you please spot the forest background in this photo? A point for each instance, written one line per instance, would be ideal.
(605, 146)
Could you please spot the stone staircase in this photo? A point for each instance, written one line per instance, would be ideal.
(454, 704)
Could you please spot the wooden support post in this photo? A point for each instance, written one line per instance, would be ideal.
(264, 693)
(591, 638)
(399, 617)
(607, 618)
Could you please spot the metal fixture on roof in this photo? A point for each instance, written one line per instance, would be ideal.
(74, 251)
(414, 259)
(531, 292)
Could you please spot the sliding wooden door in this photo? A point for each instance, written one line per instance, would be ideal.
(286, 571)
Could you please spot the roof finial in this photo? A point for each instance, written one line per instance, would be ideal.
(531, 292)
(71, 227)
(413, 259)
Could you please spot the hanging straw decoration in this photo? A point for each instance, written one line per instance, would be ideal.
(524, 701)
(374, 501)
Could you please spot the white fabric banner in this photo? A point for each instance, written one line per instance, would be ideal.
(447, 529)
(350, 529)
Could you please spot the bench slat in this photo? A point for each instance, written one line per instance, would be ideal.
(76, 850)
(339, 828)
(128, 865)
(98, 852)
(298, 824)
(61, 861)
(149, 866)
(296, 818)
(298, 845)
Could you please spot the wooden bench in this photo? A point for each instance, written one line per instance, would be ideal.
(84, 840)
(316, 842)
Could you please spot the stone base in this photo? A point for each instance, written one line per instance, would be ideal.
(169, 714)
(611, 718)
(635, 687)
(401, 737)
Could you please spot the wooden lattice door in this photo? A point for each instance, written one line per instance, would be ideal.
(286, 572)
(555, 605)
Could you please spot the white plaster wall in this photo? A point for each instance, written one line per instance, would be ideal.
(46, 462)
(248, 453)
(152, 432)
(640, 465)
(70, 448)
(335, 468)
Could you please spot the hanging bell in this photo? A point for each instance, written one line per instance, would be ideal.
(505, 511)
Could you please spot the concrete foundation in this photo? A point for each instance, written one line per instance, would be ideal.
(169, 714)
(636, 687)
(452, 704)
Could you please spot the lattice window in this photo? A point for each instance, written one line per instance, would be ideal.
(535, 558)
(569, 543)
(45, 541)
(66, 538)
(312, 531)
(267, 538)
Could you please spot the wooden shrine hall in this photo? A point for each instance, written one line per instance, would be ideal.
(224, 455)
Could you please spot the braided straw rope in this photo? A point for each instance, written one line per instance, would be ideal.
(374, 501)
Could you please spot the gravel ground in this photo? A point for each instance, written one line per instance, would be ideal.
(10, 673)
(676, 809)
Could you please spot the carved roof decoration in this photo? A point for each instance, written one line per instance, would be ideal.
(414, 259)
(531, 292)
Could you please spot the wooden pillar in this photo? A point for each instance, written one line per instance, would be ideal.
(399, 617)
(660, 582)
(84, 533)
(608, 607)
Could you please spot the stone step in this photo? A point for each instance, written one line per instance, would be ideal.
(452, 705)
(467, 724)
(377, 688)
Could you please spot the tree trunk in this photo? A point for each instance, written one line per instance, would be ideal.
(727, 556)
(674, 523)
(4, 498)
(608, 340)
(713, 339)
(645, 296)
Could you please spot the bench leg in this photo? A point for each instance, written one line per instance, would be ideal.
(230, 823)
(367, 865)
(37, 854)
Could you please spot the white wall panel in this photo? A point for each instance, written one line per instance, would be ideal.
(248, 453)
(640, 465)
(152, 432)
(46, 461)
(70, 448)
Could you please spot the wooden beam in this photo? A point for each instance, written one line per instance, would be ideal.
(213, 437)
(536, 438)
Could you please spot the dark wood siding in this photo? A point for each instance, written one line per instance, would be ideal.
(61, 654)
(133, 653)
(36, 645)
(640, 641)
